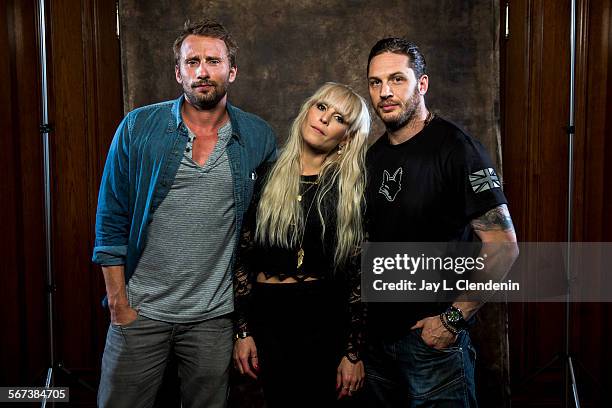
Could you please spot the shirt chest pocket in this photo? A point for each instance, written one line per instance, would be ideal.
(249, 185)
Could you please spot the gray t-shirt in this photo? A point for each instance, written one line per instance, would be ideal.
(184, 272)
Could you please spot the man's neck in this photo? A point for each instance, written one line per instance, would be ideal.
(409, 130)
(205, 118)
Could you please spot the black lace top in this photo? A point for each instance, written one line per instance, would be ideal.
(317, 261)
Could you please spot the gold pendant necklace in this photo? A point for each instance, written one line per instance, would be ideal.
(312, 183)
(300, 252)
(300, 258)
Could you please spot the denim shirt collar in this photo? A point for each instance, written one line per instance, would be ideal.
(177, 119)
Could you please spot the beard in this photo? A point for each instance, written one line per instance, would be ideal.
(207, 100)
(408, 111)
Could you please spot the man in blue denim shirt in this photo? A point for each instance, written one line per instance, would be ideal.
(178, 179)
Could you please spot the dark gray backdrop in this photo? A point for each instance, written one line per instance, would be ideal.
(288, 48)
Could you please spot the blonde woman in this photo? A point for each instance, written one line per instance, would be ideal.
(299, 317)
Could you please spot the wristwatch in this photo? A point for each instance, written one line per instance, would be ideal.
(454, 317)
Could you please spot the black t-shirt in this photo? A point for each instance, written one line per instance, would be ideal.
(426, 189)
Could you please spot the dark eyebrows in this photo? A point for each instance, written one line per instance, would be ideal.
(191, 58)
(390, 75)
(198, 58)
(329, 105)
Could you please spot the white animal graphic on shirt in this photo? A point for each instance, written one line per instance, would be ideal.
(391, 185)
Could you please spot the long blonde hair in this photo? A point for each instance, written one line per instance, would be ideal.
(280, 220)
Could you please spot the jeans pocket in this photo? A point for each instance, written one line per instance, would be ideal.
(433, 373)
(220, 325)
(472, 352)
(450, 349)
(124, 326)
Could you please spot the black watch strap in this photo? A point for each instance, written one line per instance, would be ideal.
(454, 318)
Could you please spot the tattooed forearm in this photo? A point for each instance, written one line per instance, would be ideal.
(497, 219)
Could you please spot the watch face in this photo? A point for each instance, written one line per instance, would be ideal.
(454, 315)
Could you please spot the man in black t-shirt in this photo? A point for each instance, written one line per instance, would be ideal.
(428, 181)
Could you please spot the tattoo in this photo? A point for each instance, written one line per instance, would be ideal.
(497, 219)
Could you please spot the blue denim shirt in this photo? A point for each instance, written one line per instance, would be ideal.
(142, 162)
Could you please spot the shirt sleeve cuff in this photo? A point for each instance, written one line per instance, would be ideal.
(110, 255)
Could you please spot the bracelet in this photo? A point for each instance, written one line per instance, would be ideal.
(242, 335)
(352, 356)
(448, 326)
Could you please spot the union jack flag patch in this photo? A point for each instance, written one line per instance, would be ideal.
(483, 180)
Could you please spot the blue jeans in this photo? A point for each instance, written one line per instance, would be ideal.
(136, 354)
(408, 373)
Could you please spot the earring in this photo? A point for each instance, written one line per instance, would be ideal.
(340, 147)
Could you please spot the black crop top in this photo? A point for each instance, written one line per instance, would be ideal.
(317, 260)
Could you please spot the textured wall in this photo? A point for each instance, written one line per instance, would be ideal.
(289, 48)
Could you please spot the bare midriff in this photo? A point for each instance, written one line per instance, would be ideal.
(261, 278)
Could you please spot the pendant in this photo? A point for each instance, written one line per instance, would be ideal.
(299, 197)
(300, 259)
